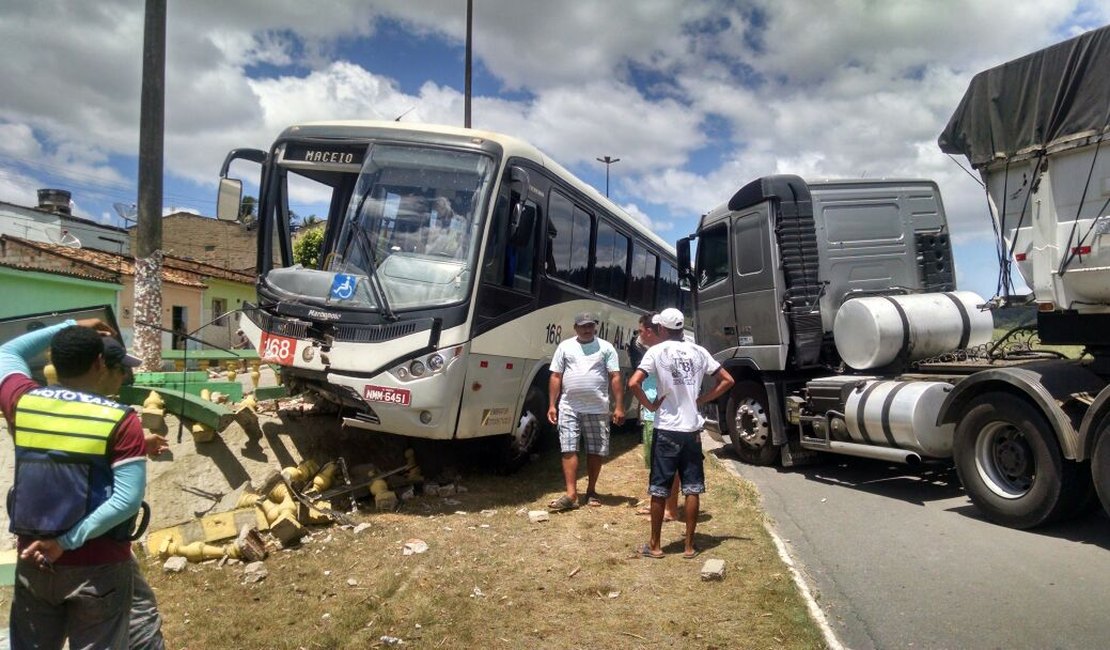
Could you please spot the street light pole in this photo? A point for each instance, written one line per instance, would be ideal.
(608, 161)
(469, 36)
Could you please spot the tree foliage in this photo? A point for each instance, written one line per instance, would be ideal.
(306, 249)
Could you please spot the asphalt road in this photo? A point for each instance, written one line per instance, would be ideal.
(899, 558)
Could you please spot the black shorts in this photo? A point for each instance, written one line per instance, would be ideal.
(676, 452)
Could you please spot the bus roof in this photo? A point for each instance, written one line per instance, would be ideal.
(512, 147)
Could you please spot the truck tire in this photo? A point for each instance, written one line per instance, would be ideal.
(1100, 467)
(749, 424)
(1009, 461)
(515, 448)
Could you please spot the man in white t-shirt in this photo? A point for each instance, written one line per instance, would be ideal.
(678, 367)
(584, 370)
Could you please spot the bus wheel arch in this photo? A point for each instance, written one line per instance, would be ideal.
(529, 427)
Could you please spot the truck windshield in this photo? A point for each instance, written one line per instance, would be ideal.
(408, 238)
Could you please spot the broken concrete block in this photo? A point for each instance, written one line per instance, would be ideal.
(202, 432)
(360, 528)
(255, 572)
(287, 529)
(536, 516)
(175, 564)
(250, 545)
(713, 570)
(154, 420)
(385, 501)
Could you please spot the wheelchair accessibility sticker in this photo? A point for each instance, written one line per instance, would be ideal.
(343, 286)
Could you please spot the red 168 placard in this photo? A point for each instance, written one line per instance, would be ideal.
(277, 349)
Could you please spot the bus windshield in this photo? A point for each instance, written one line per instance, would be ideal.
(408, 238)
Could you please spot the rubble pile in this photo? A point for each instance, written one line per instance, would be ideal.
(278, 512)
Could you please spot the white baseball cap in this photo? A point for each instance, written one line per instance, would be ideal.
(670, 318)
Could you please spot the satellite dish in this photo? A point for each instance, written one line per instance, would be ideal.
(126, 211)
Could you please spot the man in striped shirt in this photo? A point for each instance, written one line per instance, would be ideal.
(584, 370)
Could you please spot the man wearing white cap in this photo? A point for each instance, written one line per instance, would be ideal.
(584, 370)
(678, 367)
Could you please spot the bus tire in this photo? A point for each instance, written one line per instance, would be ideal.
(1010, 464)
(1100, 467)
(530, 426)
(749, 424)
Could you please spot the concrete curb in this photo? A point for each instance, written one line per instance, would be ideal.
(815, 611)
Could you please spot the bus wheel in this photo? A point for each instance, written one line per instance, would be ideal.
(1008, 460)
(531, 423)
(1100, 467)
(749, 425)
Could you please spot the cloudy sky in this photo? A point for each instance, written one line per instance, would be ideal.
(696, 97)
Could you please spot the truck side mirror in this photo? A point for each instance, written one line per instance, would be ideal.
(685, 272)
(229, 199)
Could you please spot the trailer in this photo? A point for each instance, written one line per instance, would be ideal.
(835, 307)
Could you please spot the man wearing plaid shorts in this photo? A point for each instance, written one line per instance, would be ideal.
(580, 370)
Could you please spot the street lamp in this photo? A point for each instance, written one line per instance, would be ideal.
(608, 161)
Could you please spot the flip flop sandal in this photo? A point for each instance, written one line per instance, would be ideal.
(593, 501)
(562, 504)
(644, 550)
(691, 555)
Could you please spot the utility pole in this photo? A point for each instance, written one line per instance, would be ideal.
(608, 161)
(148, 251)
(469, 34)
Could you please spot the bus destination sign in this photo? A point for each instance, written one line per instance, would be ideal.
(308, 152)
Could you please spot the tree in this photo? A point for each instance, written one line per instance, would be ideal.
(247, 208)
(306, 249)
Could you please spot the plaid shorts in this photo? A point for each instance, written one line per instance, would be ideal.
(594, 427)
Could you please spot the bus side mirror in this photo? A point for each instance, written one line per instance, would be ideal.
(519, 180)
(229, 199)
(685, 272)
(522, 225)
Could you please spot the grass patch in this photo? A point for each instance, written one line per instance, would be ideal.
(493, 579)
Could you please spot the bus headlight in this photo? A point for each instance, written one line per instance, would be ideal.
(435, 362)
(417, 368)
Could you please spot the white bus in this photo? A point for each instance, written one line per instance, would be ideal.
(453, 263)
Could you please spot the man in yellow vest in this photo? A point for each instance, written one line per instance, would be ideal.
(80, 475)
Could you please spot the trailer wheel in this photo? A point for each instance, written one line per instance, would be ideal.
(749, 424)
(517, 446)
(1100, 467)
(1009, 462)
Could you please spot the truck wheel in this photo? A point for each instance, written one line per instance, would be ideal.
(1009, 462)
(1100, 468)
(749, 424)
(527, 429)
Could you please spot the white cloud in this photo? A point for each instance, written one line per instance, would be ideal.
(695, 98)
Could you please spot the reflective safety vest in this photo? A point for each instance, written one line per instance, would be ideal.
(63, 460)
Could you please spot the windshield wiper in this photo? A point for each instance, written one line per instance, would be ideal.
(372, 274)
(376, 286)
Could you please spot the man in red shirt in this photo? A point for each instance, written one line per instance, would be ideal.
(80, 478)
